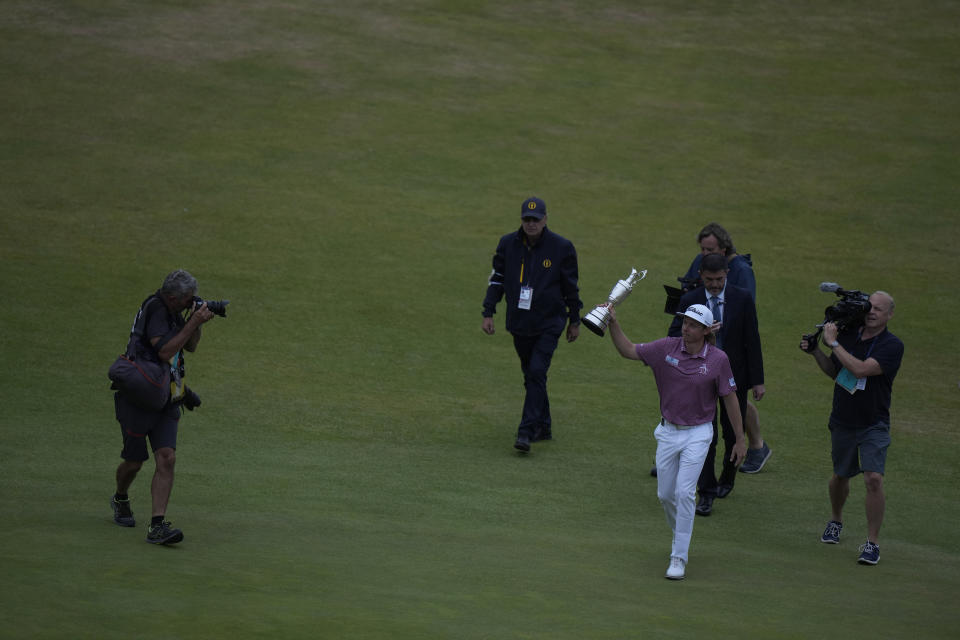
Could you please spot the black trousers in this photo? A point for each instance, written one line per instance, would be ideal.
(535, 354)
(708, 482)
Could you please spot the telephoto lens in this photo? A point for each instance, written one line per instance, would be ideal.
(219, 307)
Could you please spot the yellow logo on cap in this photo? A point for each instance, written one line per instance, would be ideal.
(531, 205)
(547, 263)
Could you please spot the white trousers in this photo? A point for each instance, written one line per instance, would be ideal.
(680, 455)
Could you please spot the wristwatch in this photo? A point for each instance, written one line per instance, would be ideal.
(834, 344)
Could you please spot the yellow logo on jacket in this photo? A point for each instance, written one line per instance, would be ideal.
(547, 263)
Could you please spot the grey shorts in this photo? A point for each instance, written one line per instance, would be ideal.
(137, 425)
(858, 450)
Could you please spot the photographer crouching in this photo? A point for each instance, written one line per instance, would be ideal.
(150, 392)
(864, 360)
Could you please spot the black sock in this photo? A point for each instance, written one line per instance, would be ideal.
(121, 497)
(156, 521)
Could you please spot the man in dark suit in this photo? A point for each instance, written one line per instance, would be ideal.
(739, 337)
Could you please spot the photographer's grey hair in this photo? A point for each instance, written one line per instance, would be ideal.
(179, 283)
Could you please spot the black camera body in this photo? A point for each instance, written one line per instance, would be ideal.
(850, 311)
(674, 294)
(847, 313)
(219, 307)
(190, 399)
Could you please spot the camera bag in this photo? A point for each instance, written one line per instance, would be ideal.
(138, 373)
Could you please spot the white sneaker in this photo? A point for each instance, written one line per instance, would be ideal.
(676, 570)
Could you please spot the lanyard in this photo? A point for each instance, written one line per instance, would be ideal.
(872, 343)
(523, 258)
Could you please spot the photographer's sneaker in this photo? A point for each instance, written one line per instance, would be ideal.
(756, 458)
(677, 569)
(869, 553)
(122, 514)
(163, 534)
(831, 535)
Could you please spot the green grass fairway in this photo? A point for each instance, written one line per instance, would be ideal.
(341, 171)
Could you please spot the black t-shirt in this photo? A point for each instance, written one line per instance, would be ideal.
(159, 322)
(866, 407)
(162, 323)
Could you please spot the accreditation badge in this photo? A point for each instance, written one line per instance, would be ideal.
(846, 380)
(526, 298)
(176, 382)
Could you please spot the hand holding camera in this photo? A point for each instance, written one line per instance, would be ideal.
(204, 310)
(218, 307)
(848, 313)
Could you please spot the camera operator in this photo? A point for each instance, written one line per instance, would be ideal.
(167, 334)
(863, 364)
(713, 238)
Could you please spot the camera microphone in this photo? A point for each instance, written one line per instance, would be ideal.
(830, 287)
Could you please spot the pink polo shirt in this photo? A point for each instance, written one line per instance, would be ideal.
(689, 384)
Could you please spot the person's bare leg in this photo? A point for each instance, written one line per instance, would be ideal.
(839, 490)
(162, 485)
(876, 504)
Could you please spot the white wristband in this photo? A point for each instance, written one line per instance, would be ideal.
(833, 345)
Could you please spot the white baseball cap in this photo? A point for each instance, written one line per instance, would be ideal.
(700, 313)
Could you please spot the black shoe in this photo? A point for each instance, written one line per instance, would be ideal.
(122, 514)
(163, 534)
(705, 506)
(522, 444)
(653, 472)
(723, 490)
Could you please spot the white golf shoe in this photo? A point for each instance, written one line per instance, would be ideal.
(677, 569)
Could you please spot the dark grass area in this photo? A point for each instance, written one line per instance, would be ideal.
(341, 173)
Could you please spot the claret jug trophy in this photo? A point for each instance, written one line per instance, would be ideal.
(598, 319)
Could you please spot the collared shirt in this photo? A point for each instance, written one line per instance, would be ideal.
(689, 383)
(740, 272)
(720, 301)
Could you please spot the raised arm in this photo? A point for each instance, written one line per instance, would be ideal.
(859, 368)
(823, 360)
(187, 338)
(624, 346)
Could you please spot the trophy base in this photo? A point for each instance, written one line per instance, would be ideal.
(590, 323)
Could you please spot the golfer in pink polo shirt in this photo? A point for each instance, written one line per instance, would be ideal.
(691, 373)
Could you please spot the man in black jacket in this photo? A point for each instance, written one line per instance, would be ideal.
(739, 338)
(536, 270)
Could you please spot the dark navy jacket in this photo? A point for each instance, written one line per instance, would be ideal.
(550, 269)
(739, 332)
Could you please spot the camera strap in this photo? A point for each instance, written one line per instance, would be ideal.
(138, 337)
(139, 328)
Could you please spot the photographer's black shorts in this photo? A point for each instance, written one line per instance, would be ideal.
(857, 450)
(137, 425)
